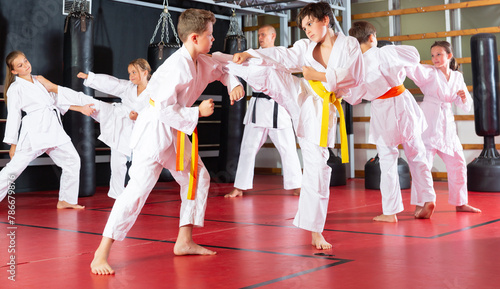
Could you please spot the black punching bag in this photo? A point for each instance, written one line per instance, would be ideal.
(339, 177)
(232, 115)
(372, 166)
(79, 56)
(159, 51)
(483, 173)
(372, 174)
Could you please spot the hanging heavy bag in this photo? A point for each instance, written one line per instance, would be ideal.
(159, 51)
(232, 115)
(79, 56)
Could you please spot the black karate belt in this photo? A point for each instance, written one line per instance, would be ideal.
(275, 112)
(57, 116)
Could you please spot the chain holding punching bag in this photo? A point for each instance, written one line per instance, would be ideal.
(484, 171)
(232, 115)
(372, 166)
(159, 51)
(79, 56)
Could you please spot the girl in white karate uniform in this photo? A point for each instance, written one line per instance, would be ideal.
(339, 69)
(117, 120)
(41, 130)
(443, 85)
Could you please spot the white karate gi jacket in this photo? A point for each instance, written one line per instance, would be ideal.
(345, 70)
(394, 120)
(41, 127)
(439, 94)
(115, 123)
(173, 89)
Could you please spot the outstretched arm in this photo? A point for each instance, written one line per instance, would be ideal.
(87, 109)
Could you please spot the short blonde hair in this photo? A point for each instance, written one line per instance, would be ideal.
(193, 21)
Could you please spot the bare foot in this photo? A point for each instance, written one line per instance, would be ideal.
(426, 211)
(99, 265)
(234, 193)
(386, 218)
(319, 241)
(417, 210)
(66, 205)
(191, 248)
(296, 192)
(467, 208)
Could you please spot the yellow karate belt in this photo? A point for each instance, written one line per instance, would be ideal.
(179, 160)
(329, 97)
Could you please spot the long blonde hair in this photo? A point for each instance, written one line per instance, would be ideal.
(9, 76)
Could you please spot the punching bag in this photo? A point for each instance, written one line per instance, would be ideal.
(372, 166)
(232, 115)
(159, 51)
(484, 171)
(372, 174)
(79, 56)
(338, 177)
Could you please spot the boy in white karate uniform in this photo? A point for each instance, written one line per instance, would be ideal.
(333, 62)
(395, 119)
(158, 136)
(265, 117)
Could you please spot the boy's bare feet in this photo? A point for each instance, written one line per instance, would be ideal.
(185, 244)
(296, 192)
(319, 241)
(66, 205)
(386, 218)
(427, 211)
(99, 265)
(417, 210)
(191, 248)
(234, 193)
(467, 208)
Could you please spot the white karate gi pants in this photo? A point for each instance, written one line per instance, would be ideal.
(457, 175)
(144, 174)
(422, 189)
(284, 141)
(118, 165)
(315, 191)
(64, 156)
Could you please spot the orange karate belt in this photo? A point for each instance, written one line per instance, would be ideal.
(393, 92)
(179, 158)
(329, 97)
